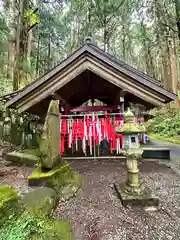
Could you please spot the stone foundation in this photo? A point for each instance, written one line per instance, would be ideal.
(146, 199)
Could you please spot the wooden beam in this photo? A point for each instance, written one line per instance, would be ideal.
(94, 108)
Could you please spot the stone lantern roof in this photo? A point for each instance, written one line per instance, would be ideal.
(129, 126)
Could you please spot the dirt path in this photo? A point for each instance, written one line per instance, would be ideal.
(97, 199)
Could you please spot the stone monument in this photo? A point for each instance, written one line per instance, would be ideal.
(50, 139)
(133, 192)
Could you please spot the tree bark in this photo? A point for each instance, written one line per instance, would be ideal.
(29, 49)
(11, 16)
(18, 40)
(173, 62)
(38, 55)
(49, 54)
(177, 7)
(22, 35)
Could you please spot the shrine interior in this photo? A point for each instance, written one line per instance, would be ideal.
(89, 86)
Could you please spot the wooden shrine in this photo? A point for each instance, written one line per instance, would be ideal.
(90, 73)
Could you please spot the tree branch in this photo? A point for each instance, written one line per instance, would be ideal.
(32, 26)
(166, 25)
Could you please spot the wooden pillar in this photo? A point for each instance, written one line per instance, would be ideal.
(122, 104)
(121, 100)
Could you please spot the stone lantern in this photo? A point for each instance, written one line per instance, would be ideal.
(133, 192)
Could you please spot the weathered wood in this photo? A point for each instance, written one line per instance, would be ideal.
(102, 71)
(93, 108)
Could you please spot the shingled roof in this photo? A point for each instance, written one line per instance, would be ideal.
(91, 50)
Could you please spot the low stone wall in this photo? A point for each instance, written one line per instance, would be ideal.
(19, 129)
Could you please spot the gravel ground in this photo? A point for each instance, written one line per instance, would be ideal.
(16, 176)
(13, 175)
(97, 200)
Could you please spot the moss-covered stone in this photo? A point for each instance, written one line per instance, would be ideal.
(27, 157)
(40, 201)
(8, 203)
(32, 220)
(59, 170)
(49, 144)
(56, 178)
(68, 192)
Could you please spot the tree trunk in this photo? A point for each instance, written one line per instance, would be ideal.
(11, 16)
(177, 7)
(20, 77)
(49, 54)
(29, 49)
(173, 62)
(37, 56)
(18, 40)
(123, 44)
(166, 71)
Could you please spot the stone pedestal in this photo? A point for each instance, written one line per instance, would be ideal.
(146, 199)
(133, 192)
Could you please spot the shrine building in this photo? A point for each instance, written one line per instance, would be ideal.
(93, 89)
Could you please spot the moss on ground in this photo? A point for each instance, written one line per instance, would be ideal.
(28, 226)
(156, 136)
(40, 202)
(52, 230)
(8, 203)
(32, 222)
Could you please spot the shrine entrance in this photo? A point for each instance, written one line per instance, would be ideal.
(89, 130)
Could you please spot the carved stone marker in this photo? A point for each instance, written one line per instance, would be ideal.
(50, 140)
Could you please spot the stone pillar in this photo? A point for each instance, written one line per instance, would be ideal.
(50, 139)
(133, 173)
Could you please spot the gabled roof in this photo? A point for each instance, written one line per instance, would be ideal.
(91, 51)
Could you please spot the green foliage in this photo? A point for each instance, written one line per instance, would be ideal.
(31, 219)
(166, 123)
(8, 203)
(18, 228)
(5, 84)
(31, 17)
(6, 193)
(52, 230)
(27, 226)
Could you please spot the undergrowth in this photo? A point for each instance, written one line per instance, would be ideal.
(29, 227)
(165, 124)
